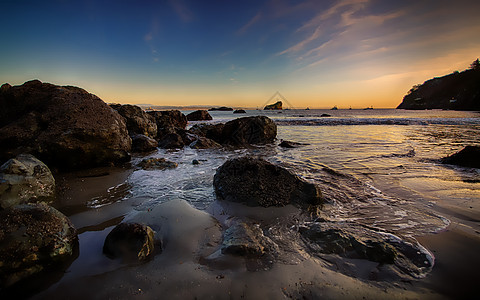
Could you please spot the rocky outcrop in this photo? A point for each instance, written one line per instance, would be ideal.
(467, 157)
(249, 131)
(222, 108)
(64, 126)
(157, 163)
(138, 121)
(130, 242)
(355, 241)
(25, 179)
(171, 133)
(169, 119)
(239, 111)
(33, 237)
(143, 143)
(211, 131)
(256, 182)
(275, 106)
(457, 91)
(199, 115)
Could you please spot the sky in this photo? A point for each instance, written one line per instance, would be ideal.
(317, 54)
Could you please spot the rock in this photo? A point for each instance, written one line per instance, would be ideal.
(25, 179)
(276, 106)
(239, 111)
(256, 182)
(223, 108)
(244, 239)
(138, 121)
(168, 119)
(157, 163)
(211, 131)
(33, 237)
(171, 140)
(249, 130)
(289, 144)
(355, 241)
(64, 126)
(204, 143)
(325, 115)
(199, 115)
(467, 157)
(143, 143)
(195, 162)
(130, 242)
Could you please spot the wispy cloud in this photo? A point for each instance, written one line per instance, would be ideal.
(250, 23)
(182, 10)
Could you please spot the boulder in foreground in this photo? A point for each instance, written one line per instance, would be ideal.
(130, 242)
(199, 115)
(33, 238)
(256, 182)
(249, 131)
(64, 126)
(138, 121)
(467, 157)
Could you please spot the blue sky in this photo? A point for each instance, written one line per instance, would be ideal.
(183, 52)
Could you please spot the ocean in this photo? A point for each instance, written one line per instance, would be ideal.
(379, 168)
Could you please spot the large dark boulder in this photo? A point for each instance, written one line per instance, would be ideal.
(138, 121)
(199, 115)
(25, 179)
(129, 242)
(467, 157)
(211, 131)
(249, 130)
(169, 118)
(33, 237)
(64, 126)
(256, 182)
(143, 143)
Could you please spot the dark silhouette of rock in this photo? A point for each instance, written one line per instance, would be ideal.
(325, 115)
(143, 143)
(289, 144)
(223, 108)
(25, 179)
(249, 131)
(157, 163)
(456, 91)
(171, 140)
(239, 111)
(168, 119)
(33, 237)
(275, 106)
(256, 182)
(130, 242)
(204, 143)
(467, 157)
(211, 131)
(64, 126)
(138, 121)
(199, 115)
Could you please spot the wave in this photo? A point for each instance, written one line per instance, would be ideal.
(377, 121)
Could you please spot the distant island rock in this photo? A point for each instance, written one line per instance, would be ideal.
(199, 115)
(276, 106)
(239, 111)
(456, 91)
(223, 108)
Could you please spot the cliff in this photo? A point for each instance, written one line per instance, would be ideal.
(275, 106)
(456, 91)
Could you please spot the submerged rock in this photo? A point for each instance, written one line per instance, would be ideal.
(138, 121)
(143, 143)
(157, 163)
(204, 143)
(289, 144)
(199, 115)
(467, 157)
(33, 238)
(354, 241)
(256, 182)
(25, 179)
(64, 126)
(130, 242)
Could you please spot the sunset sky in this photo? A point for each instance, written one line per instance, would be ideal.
(316, 53)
